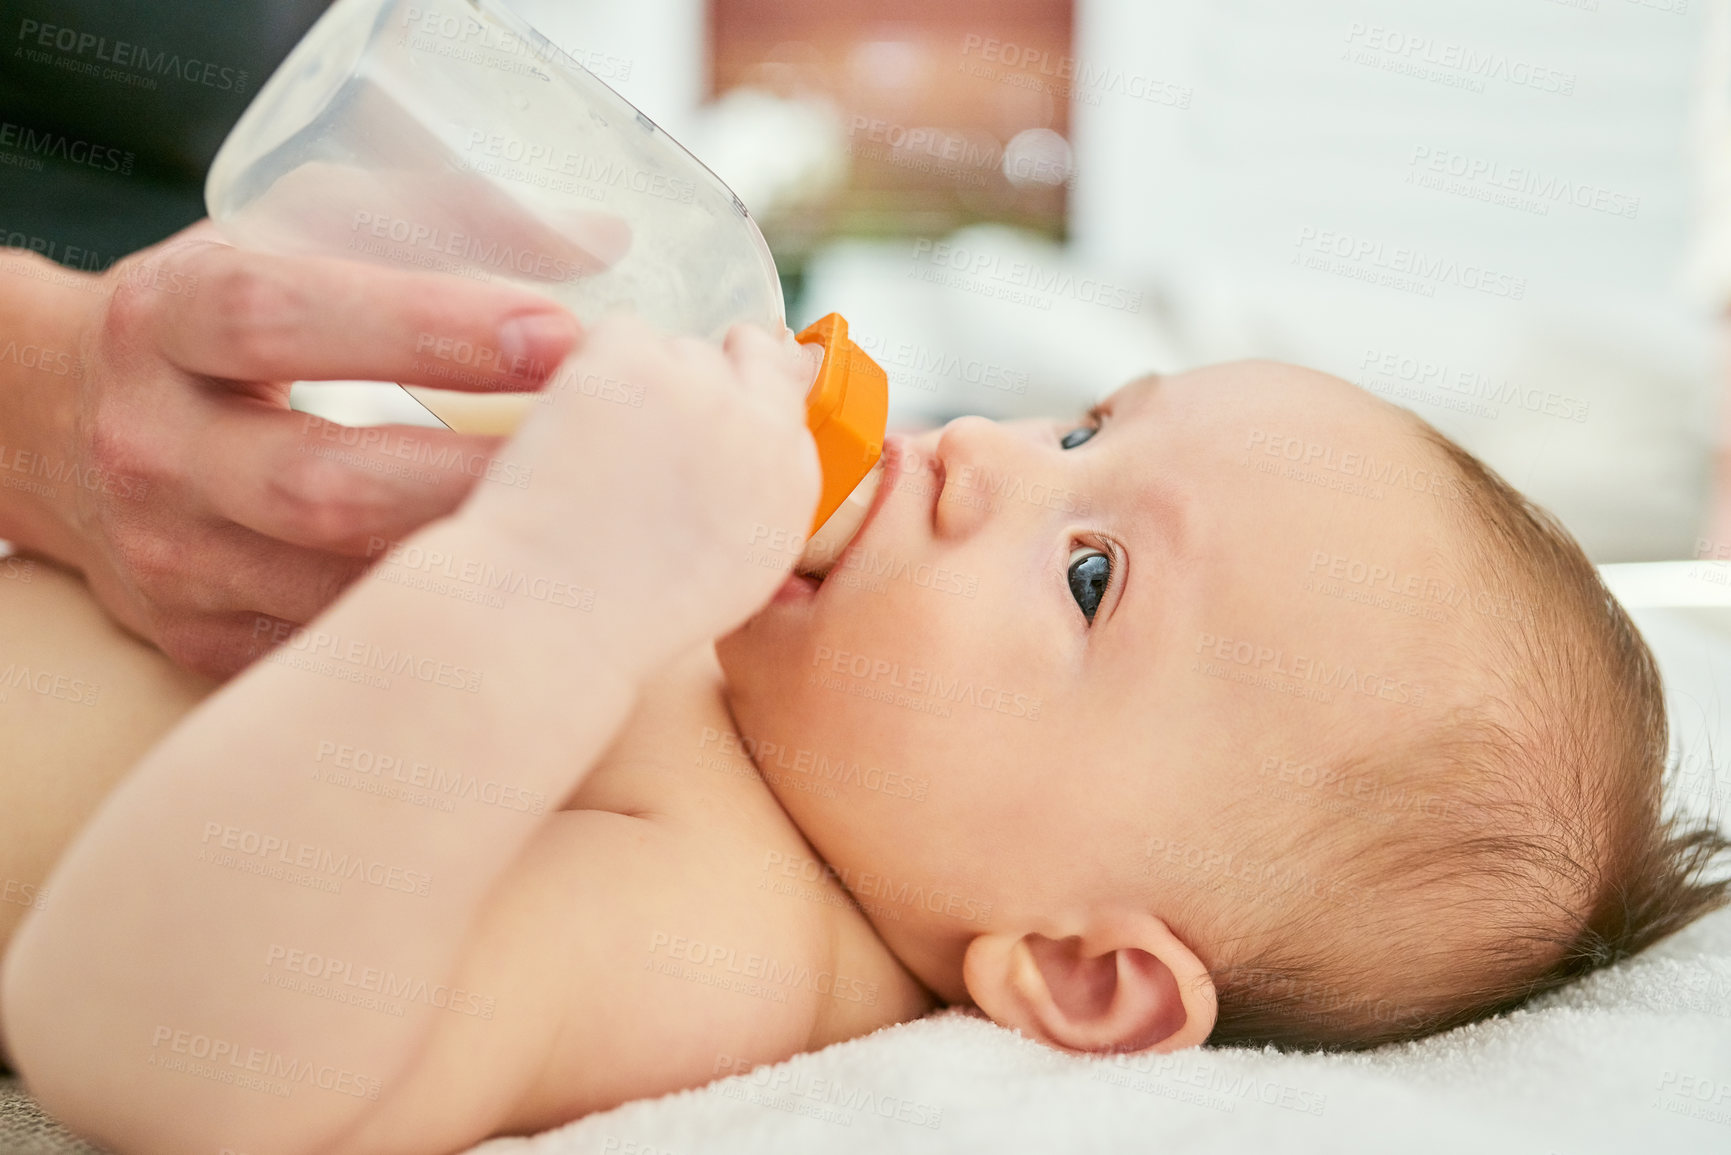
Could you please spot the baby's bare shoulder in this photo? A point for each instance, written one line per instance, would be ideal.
(621, 957)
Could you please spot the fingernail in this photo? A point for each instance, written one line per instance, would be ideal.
(532, 343)
(807, 363)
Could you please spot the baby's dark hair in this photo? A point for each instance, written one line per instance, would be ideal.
(1553, 854)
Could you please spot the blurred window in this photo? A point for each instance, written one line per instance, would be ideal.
(954, 111)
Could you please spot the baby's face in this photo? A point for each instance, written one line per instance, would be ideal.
(970, 752)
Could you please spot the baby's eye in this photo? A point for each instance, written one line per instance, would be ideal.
(1089, 427)
(1077, 436)
(1090, 573)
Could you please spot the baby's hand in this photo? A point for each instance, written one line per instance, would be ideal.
(649, 467)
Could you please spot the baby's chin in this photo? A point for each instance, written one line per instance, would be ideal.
(760, 680)
(747, 656)
(774, 646)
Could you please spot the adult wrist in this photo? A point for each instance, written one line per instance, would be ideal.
(43, 308)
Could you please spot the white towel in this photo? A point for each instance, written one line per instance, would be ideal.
(1637, 1058)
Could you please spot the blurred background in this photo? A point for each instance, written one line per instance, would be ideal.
(1511, 216)
(1495, 212)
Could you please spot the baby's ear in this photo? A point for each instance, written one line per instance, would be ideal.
(1124, 983)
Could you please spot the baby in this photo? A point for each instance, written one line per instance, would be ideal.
(1245, 709)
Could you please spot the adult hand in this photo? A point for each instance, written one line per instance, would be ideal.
(149, 444)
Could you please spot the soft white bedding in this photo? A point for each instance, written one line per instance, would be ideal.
(1634, 1059)
(1637, 1059)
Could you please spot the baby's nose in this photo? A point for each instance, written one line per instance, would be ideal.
(975, 458)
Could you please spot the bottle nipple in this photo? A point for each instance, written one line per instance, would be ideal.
(823, 548)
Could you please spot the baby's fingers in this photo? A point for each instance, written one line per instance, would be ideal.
(778, 368)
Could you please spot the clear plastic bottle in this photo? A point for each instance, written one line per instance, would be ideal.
(449, 135)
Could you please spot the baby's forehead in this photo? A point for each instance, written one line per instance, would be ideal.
(1197, 418)
(1262, 384)
(1319, 558)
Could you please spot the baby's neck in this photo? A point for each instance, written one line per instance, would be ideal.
(682, 721)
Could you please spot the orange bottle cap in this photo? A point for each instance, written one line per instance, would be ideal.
(846, 410)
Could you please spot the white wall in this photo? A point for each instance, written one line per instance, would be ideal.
(1201, 208)
(1285, 133)
(664, 43)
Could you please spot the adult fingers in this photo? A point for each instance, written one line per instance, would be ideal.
(245, 572)
(221, 646)
(306, 481)
(261, 317)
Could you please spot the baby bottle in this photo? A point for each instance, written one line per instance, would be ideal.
(449, 135)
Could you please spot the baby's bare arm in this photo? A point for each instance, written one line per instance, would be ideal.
(579, 988)
(132, 1000)
(572, 934)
